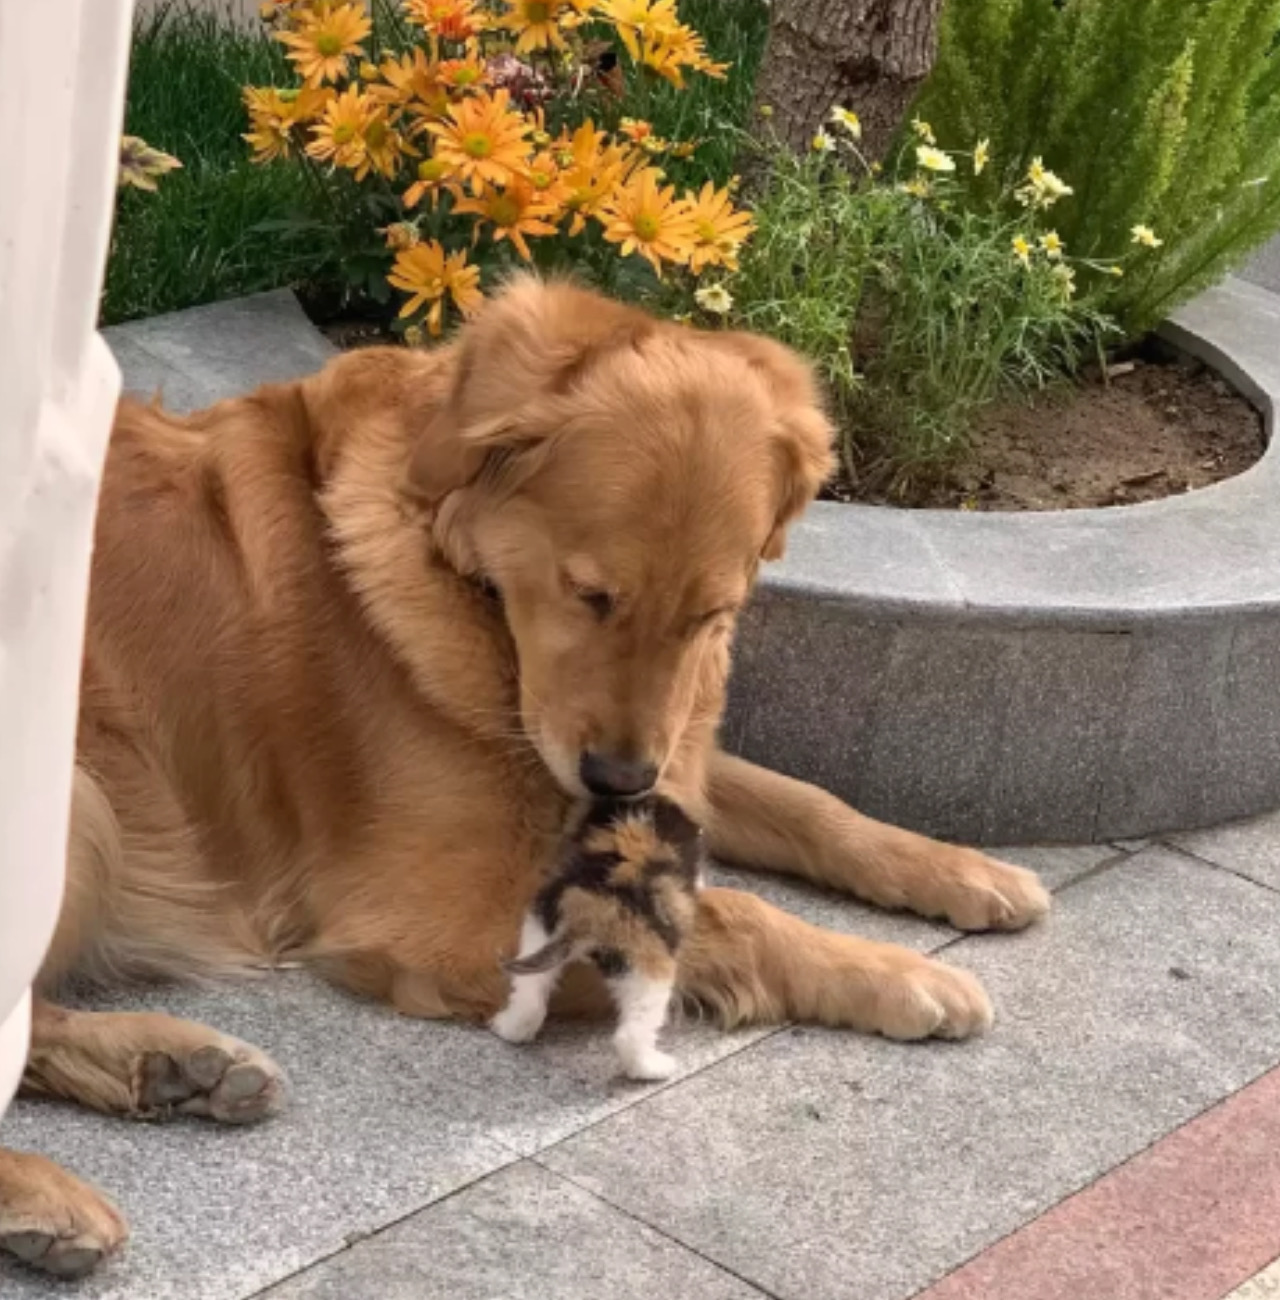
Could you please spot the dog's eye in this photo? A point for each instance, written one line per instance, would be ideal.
(600, 603)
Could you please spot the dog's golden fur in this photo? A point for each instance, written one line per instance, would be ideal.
(309, 729)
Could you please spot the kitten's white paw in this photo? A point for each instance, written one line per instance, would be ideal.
(517, 1024)
(649, 1066)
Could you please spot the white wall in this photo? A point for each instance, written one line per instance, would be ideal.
(61, 105)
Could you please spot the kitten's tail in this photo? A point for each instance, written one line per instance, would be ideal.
(555, 953)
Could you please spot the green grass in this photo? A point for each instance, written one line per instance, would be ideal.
(198, 239)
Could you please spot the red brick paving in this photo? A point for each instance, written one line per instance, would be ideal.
(1190, 1218)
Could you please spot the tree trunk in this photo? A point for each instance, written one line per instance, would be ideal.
(867, 55)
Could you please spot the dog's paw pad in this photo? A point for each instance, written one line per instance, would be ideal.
(235, 1084)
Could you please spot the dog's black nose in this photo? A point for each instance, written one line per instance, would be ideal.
(620, 778)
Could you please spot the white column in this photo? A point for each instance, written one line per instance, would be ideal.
(62, 78)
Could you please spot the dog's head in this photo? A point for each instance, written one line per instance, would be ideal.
(617, 480)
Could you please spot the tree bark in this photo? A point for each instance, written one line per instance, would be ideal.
(867, 55)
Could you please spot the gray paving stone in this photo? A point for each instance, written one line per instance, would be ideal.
(388, 1115)
(523, 1234)
(204, 354)
(827, 1166)
(1251, 848)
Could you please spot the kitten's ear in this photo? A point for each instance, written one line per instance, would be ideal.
(548, 957)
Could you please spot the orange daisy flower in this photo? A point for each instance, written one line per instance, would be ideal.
(515, 210)
(411, 83)
(450, 20)
(325, 39)
(646, 218)
(719, 231)
(482, 140)
(339, 135)
(541, 24)
(427, 274)
(275, 114)
(433, 179)
(462, 74)
(590, 170)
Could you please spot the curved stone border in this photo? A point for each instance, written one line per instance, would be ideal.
(1011, 678)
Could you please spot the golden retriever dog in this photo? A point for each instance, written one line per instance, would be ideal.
(356, 643)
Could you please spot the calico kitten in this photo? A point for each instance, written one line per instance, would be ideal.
(623, 896)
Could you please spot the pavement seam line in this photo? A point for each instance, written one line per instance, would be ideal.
(661, 1232)
(1201, 861)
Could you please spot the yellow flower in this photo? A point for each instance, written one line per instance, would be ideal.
(400, 234)
(714, 298)
(514, 210)
(412, 83)
(981, 156)
(934, 160)
(1117, 271)
(462, 74)
(1043, 188)
(384, 147)
(923, 131)
(918, 188)
(1022, 250)
(482, 140)
(413, 336)
(668, 52)
(544, 177)
(141, 165)
(645, 218)
(1052, 245)
(541, 24)
(339, 135)
(1065, 278)
(326, 37)
(1145, 236)
(434, 176)
(275, 114)
(718, 230)
(822, 142)
(637, 20)
(848, 119)
(765, 111)
(591, 170)
(426, 273)
(450, 20)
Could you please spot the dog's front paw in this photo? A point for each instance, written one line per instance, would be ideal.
(976, 892)
(648, 1065)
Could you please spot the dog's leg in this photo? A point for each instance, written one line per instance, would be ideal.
(642, 1000)
(760, 818)
(148, 1066)
(749, 963)
(53, 1221)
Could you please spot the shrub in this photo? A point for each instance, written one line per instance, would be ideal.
(920, 297)
(447, 138)
(1165, 114)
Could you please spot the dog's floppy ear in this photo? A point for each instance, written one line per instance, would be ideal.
(803, 434)
(530, 342)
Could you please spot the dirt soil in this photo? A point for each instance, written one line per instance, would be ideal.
(1154, 429)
